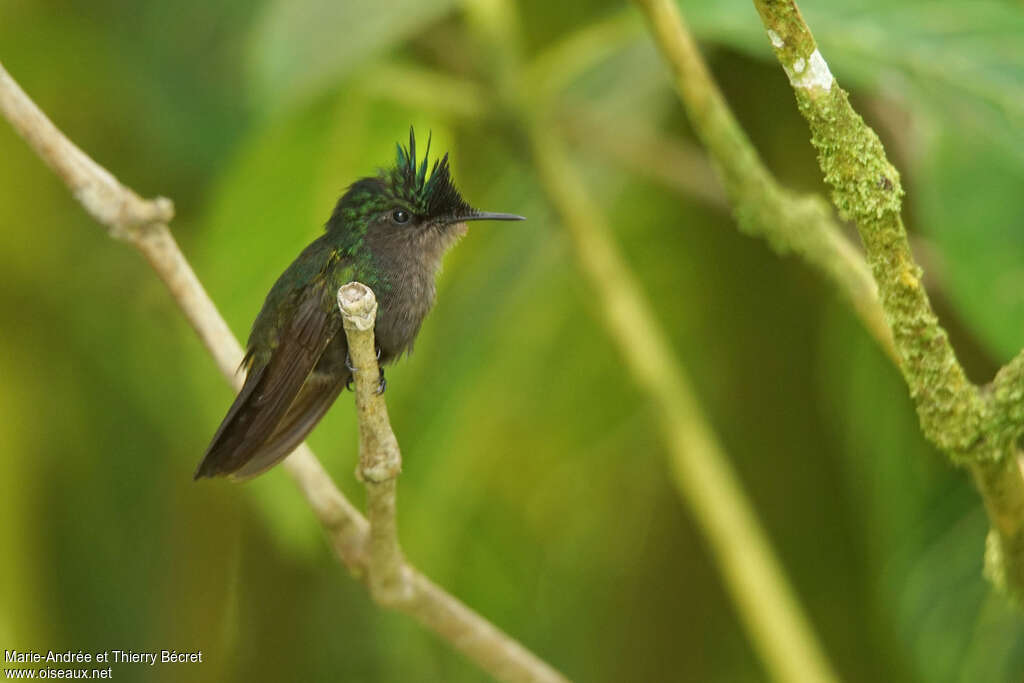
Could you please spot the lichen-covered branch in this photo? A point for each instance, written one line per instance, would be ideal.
(866, 190)
(801, 224)
(973, 426)
(1002, 489)
(1005, 400)
(143, 223)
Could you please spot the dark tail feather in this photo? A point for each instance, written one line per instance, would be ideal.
(222, 455)
(272, 387)
(304, 414)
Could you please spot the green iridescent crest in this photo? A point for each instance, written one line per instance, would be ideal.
(432, 194)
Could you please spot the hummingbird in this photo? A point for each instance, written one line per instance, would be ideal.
(388, 231)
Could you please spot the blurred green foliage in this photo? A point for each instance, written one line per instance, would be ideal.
(535, 485)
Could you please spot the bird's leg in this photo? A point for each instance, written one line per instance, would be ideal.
(351, 372)
(382, 384)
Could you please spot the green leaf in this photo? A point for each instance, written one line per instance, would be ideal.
(971, 205)
(922, 527)
(964, 64)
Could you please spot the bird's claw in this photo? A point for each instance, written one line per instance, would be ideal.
(382, 383)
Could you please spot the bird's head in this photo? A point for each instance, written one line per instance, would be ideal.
(405, 202)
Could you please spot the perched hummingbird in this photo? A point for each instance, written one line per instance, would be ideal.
(388, 232)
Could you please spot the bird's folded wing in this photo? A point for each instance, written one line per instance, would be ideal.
(270, 389)
(312, 403)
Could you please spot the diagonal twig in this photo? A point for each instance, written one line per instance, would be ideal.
(751, 572)
(789, 222)
(143, 223)
(976, 426)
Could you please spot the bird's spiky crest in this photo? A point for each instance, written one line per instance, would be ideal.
(431, 195)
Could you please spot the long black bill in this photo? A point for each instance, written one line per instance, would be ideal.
(489, 216)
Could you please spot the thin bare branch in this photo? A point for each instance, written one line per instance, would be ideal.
(752, 574)
(106, 200)
(675, 163)
(143, 223)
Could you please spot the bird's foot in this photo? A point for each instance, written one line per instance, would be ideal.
(351, 372)
(382, 383)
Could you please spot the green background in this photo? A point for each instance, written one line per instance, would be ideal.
(536, 484)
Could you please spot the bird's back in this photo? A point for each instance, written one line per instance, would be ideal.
(279, 404)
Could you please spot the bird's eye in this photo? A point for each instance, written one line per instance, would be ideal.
(400, 216)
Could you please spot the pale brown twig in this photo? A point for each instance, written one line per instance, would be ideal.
(380, 461)
(144, 224)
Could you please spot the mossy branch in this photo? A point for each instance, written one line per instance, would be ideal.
(763, 208)
(866, 190)
(979, 427)
(369, 550)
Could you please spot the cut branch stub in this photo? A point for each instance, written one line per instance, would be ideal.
(379, 455)
(144, 224)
